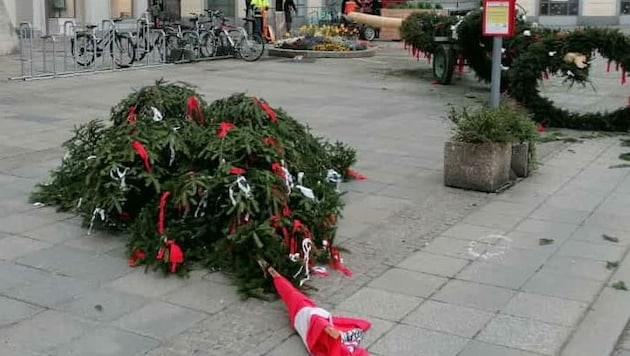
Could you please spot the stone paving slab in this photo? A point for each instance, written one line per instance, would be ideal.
(438, 271)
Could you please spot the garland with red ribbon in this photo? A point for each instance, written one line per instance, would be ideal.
(142, 152)
(170, 252)
(266, 108)
(193, 110)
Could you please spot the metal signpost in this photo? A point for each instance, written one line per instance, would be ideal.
(498, 22)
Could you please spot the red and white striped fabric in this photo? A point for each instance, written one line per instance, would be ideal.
(310, 322)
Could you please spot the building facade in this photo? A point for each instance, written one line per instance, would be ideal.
(49, 16)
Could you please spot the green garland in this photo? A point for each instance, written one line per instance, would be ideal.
(179, 181)
(530, 56)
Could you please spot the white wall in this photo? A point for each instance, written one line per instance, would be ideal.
(96, 11)
(7, 24)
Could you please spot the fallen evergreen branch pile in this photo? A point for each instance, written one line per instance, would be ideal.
(220, 184)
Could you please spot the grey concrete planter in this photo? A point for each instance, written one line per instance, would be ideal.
(520, 159)
(482, 167)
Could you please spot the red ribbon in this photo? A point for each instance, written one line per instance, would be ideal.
(136, 256)
(623, 77)
(608, 66)
(335, 262)
(546, 75)
(161, 214)
(263, 105)
(224, 128)
(270, 141)
(460, 64)
(175, 254)
(355, 175)
(237, 171)
(193, 110)
(142, 152)
(540, 128)
(131, 115)
(276, 168)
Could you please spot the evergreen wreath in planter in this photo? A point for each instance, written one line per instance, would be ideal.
(532, 55)
(221, 185)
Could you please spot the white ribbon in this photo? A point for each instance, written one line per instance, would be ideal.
(202, 205)
(288, 178)
(307, 192)
(91, 157)
(552, 53)
(306, 250)
(172, 148)
(157, 115)
(97, 212)
(79, 203)
(243, 186)
(333, 177)
(119, 176)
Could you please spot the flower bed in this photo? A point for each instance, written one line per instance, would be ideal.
(336, 38)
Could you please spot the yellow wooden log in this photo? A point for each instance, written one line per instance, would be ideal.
(374, 21)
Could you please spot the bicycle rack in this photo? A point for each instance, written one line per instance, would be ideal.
(65, 44)
(111, 33)
(53, 39)
(25, 31)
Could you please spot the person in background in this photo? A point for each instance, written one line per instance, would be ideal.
(259, 8)
(289, 5)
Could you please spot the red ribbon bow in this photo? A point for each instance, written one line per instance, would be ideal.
(142, 152)
(193, 110)
(237, 171)
(131, 115)
(540, 128)
(276, 168)
(263, 105)
(136, 256)
(355, 175)
(175, 254)
(335, 262)
(162, 212)
(224, 128)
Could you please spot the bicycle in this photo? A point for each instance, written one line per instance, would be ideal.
(147, 40)
(86, 46)
(179, 42)
(230, 40)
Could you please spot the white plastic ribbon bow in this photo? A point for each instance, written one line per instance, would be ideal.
(307, 244)
(333, 177)
(119, 176)
(288, 178)
(307, 192)
(157, 115)
(97, 212)
(243, 186)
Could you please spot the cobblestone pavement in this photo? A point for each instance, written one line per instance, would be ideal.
(438, 271)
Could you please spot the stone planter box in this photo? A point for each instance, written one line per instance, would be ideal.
(520, 159)
(482, 167)
(393, 34)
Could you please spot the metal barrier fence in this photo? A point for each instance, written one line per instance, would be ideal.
(90, 49)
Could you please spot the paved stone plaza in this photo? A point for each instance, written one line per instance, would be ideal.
(438, 271)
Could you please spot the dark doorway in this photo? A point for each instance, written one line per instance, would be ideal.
(172, 10)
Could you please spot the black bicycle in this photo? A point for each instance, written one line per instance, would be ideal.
(86, 46)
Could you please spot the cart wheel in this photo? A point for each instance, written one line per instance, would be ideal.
(443, 64)
(368, 33)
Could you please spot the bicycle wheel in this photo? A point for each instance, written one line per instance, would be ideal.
(173, 50)
(251, 48)
(191, 45)
(123, 51)
(208, 45)
(83, 51)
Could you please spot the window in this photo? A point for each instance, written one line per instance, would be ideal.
(121, 8)
(225, 6)
(559, 7)
(301, 8)
(625, 7)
